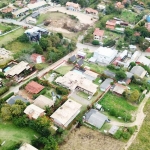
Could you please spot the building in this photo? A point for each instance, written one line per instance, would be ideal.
(143, 60)
(101, 7)
(119, 89)
(105, 55)
(147, 25)
(33, 111)
(138, 71)
(90, 75)
(37, 58)
(95, 118)
(17, 69)
(110, 24)
(109, 74)
(91, 11)
(98, 34)
(72, 6)
(20, 12)
(80, 63)
(75, 81)
(113, 129)
(81, 54)
(35, 14)
(119, 5)
(13, 99)
(65, 114)
(132, 47)
(42, 101)
(9, 9)
(27, 146)
(31, 20)
(36, 5)
(73, 59)
(33, 87)
(106, 84)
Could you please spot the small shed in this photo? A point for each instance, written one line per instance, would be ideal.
(113, 129)
(92, 59)
(81, 54)
(106, 84)
(73, 59)
(80, 62)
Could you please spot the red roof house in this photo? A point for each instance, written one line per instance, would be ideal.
(34, 87)
(91, 11)
(35, 56)
(119, 5)
(110, 24)
(148, 50)
(98, 34)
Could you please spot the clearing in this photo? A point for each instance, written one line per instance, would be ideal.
(12, 134)
(87, 139)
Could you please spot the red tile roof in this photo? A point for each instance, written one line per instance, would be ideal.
(111, 24)
(90, 10)
(119, 5)
(34, 87)
(148, 50)
(115, 62)
(98, 32)
(6, 10)
(34, 57)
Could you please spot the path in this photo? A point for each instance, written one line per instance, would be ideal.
(138, 121)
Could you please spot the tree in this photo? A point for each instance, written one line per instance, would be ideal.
(134, 96)
(23, 38)
(132, 64)
(38, 49)
(128, 32)
(120, 75)
(50, 144)
(43, 43)
(95, 42)
(6, 112)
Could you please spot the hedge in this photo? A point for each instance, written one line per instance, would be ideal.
(3, 90)
(7, 97)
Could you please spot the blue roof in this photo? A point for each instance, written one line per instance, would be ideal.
(148, 18)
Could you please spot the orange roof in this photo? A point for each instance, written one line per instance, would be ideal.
(34, 87)
(6, 10)
(111, 24)
(119, 5)
(90, 10)
(72, 4)
(110, 27)
(34, 57)
(98, 32)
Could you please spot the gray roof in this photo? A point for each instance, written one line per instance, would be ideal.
(34, 15)
(109, 73)
(80, 62)
(95, 118)
(129, 75)
(138, 70)
(106, 83)
(13, 99)
(113, 129)
(73, 58)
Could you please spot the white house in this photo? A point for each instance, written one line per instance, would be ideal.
(72, 6)
(66, 113)
(105, 55)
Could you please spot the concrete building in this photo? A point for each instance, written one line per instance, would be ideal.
(27, 146)
(65, 114)
(36, 5)
(105, 55)
(20, 12)
(138, 71)
(106, 84)
(72, 6)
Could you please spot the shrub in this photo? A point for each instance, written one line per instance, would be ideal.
(2, 75)
(126, 135)
(62, 91)
(3, 90)
(118, 134)
(95, 42)
(7, 97)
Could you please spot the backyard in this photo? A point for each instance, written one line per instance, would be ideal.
(12, 134)
(5, 27)
(117, 106)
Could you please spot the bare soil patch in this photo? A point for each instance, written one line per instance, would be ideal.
(88, 139)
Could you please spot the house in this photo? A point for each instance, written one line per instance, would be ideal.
(95, 118)
(65, 114)
(98, 34)
(27, 146)
(37, 58)
(13, 99)
(81, 54)
(80, 62)
(35, 14)
(90, 75)
(128, 79)
(72, 6)
(73, 59)
(33, 87)
(91, 11)
(36, 5)
(113, 129)
(143, 60)
(31, 20)
(147, 25)
(42, 101)
(106, 84)
(119, 5)
(132, 47)
(9, 9)
(17, 70)
(115, 62)
(75, 81)
(33, 111)
(101, 7)
(119, 89)
(110, 24)
(109, 74)
(20, 12)
(138, 71)
(105, 55)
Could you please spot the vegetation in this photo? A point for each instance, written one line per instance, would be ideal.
(64, 69)
(3, 90)
(95, 42)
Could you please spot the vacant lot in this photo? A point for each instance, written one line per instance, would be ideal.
(142, 141)
(117, 106)
(5, 27)
(12, 134)
(88, 139)
(11, 37)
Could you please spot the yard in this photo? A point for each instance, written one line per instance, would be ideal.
(82, 94)
(64, 69)
(11, 37)
(84, 138)
(95, 67)
(12, 134)
(117, 106)
(6, 27)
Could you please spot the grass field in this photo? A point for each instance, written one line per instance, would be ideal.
(12, 134)
(11, 37)
(82, 94)
(64, 69)
(4, 26)
(117, 106)
(142, 141)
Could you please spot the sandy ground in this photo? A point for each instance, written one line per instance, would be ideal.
(84, 18)
(58, 30)
(88, 139)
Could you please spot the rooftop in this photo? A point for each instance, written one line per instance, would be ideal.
(138, 71)
(72, 4)
(98, 32)
(36, 5)
(106, 83)
(27, 146)
(34, 57)
(143, 60)
(19, 11)
(90, 10)
(119, 88)
(34, 87)
(113, 129)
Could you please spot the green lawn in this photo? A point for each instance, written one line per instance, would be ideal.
(82, 94)
(64, 69)
(4, 26)
(128, 16)
(11, 37)
(95, 67)
(12, 134)
(117, 106)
